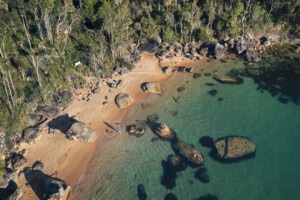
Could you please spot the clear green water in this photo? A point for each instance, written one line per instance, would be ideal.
(125, 161)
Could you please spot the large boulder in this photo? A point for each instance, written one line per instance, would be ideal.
(30, 135)
(231, 148)
(11, 192)
(16, 160)
(253, 56)
(62, 99)
(188, 151)
(54, 188)
(163, 131)
(123, 100)
(48, 111)
(154, 88)
(79, 131)
(212, 49)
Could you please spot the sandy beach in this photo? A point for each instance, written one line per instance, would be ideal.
(69, 159)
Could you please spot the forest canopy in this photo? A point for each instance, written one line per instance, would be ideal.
(40, 40)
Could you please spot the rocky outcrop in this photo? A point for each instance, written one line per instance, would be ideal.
(11, 191)
(55, 189)
(48, 111)
(79, 131)
(253, 56)
(163, 131)
(16, 160)
(62, 99)
(188, 151)
(123, 100)
(30, 135)
(230, 148)
(212, 49)
(154, 88)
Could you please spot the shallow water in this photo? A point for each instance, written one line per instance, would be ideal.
(124, 161)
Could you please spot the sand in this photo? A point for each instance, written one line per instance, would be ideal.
(69, 159)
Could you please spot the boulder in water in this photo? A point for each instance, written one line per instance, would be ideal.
(188, 151)
(164, 131)
(231, 148)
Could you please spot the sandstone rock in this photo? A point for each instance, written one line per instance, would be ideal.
(55, 189)
(30, 135)
(123, 100)
(154, 88)
(48, 111)
(164, 131)
(62, 99)
(79, 131)
(188, 151)
(230, 148)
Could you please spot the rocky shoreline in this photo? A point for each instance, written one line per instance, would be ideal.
(50, 116)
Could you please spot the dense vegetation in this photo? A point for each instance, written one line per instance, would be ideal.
(40, 40)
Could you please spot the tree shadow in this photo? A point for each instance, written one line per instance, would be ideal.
(281, 80)
(62, 123)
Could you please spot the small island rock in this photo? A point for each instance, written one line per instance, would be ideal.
(123, 100)
(229, 148)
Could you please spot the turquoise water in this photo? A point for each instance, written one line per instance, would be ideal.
(124, 161)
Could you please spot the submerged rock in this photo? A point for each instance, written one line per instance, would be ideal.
(230, 148)
(79, 131)
(123, 100)
(154, 88)
(188, 151)
(152, 118)
(164, 131)
(170, 196)
(201, 174)
(141, 192)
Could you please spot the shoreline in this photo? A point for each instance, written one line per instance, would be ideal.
(70, 159)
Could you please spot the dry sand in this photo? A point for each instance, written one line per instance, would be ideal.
(69, 159)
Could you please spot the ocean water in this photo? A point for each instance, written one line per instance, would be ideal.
(264, 109)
